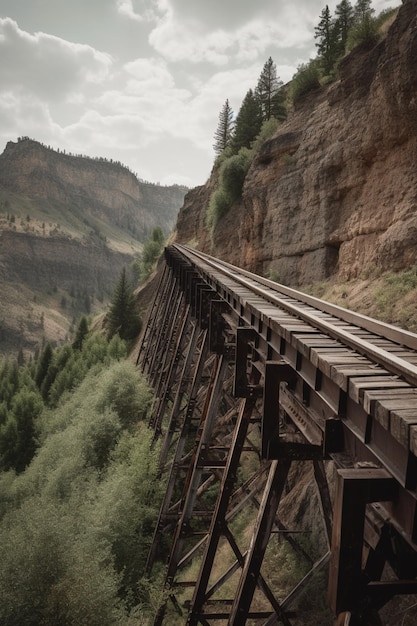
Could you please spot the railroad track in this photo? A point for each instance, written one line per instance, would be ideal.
(373, 362)
(389, 346)
(347, 383)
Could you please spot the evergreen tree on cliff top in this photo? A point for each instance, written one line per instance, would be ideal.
(248, 122)
(123, 318)
(328, 45)
(344, 21)
(224, 131)
(362, 10)
(270, 93)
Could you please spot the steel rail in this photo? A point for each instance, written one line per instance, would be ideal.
(272, 293)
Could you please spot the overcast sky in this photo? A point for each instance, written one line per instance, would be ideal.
(143, 81)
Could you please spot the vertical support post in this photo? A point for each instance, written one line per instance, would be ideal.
(355, 488)
(152, 320)
(324, 494)
(179, 450)
(275, 373)
(185, 334)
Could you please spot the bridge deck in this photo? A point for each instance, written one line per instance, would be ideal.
(323, 385)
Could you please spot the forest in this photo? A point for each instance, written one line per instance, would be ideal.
(77, 517)
(79, 484)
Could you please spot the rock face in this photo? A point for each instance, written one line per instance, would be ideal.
(334, 192)
(101, 189)
(67, 227)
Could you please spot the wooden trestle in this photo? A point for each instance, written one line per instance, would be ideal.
(243, 392)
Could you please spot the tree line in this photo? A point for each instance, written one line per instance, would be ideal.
(79, 488)
(237, 137)
(259, 105)
(100, 159)
(350, 25)
(26, 390)
(338, 33)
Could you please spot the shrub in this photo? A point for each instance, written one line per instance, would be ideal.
(219, 204)
(306, 79)
(269, 127)
(364, 33)
(232, 173)
(76, 524)
(385, 18)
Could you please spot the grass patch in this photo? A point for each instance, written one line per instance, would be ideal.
(390, 297)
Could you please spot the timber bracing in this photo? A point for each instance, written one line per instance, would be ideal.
(242, 402)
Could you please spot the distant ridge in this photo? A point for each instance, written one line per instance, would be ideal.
(68, 224)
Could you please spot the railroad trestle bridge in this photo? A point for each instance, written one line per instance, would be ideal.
(257, 385)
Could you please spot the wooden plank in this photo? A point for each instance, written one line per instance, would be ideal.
(383, 409)
(326, 362)
(371, 398)
(304, 343)
(341, 354)
(400, 422)
(341, 374)
(413, 440)
(358, 385)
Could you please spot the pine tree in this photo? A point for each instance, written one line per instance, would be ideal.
(224, 132)
(81, 334)
(344, 21)
(43, 364)
(364, 29)
(327, 45)
(362, 10)
(123, 317)
(248, 122)
(270, 93)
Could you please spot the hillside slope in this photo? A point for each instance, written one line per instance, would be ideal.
(67, 226)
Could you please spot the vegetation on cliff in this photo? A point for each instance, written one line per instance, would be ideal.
(265, 107)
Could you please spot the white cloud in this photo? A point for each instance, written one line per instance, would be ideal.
(184, 38)
(47, 65)
(154, 102)
(140, 11)
(25, 115)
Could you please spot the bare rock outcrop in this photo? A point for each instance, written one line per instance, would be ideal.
(334, 192)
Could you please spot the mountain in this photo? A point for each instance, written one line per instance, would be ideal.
(332, 195)
(68, 224)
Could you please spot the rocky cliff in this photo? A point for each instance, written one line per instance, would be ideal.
(68, 225)
(101, 189)
(334, 191)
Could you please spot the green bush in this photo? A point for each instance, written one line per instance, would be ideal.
(306, 79)
(219, 204)
(232, 173)
(269, 128)
(364, 32)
